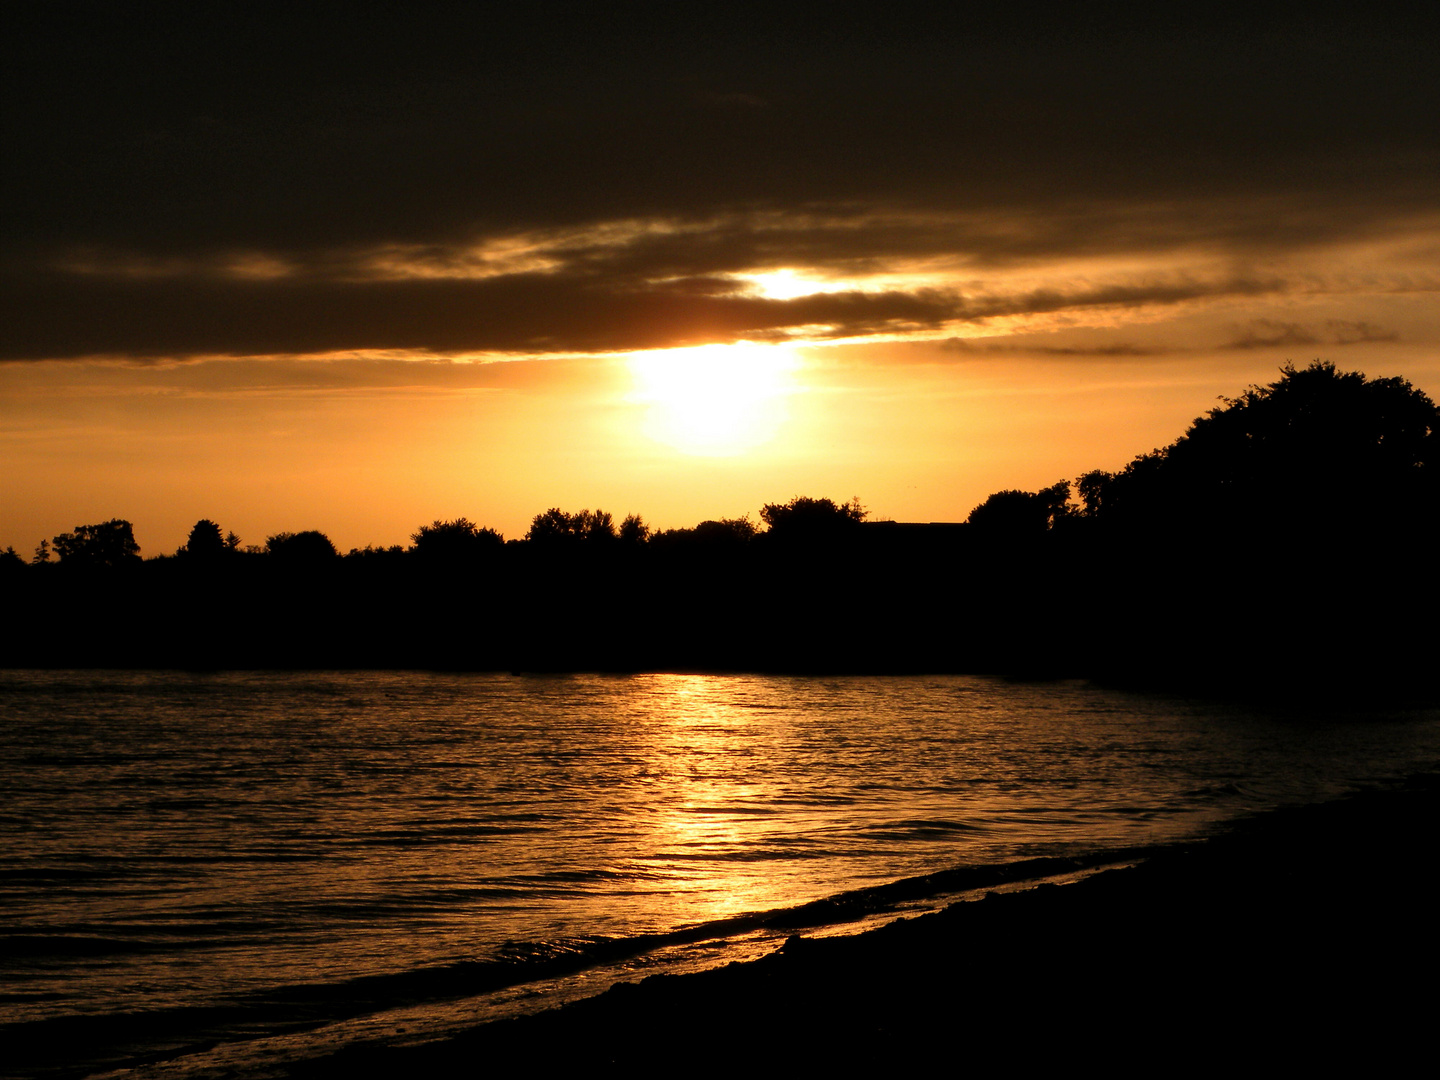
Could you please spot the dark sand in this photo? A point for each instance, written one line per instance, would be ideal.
(1305, 937)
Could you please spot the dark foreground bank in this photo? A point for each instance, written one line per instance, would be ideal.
(1308, 934)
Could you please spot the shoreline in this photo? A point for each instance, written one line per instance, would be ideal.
(580, 975)
(1293, 933)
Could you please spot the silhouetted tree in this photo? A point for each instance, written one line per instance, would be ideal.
(12, 571)
(310, 546)
(812, 519)
(207, 541)
(1091, 489)
(455, 541)
(552, 526)
(718, 535)
(633, 530)
(595, 526)
(555, 526)
(111, 543)
(1316, 444)
(1021, 513)
(42, 554)
(733, 530)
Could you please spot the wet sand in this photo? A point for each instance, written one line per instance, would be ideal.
(1306, 935)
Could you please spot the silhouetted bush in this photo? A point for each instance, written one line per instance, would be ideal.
(307, 547)
(727, 530)
(724, 534)
(370, 554)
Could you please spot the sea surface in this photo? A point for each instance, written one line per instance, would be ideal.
(227, 872)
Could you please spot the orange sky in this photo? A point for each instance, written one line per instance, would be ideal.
(354, 274)
(367, 450)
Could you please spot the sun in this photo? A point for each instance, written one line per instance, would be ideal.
(715, 400)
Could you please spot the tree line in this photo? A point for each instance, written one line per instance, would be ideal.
(112, 543)
(1319, 450)
(1284, 538)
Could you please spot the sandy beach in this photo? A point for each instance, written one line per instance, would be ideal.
(1301, 935)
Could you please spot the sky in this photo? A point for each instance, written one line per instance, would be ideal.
(359, 271)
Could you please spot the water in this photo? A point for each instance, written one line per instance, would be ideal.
(236, 856)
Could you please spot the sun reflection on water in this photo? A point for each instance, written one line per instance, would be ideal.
(708, 824)
(394, 822)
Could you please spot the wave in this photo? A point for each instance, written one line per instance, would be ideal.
(127, 1039)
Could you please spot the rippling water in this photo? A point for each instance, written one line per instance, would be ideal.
(253, 843)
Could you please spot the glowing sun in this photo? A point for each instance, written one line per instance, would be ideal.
(714, 399)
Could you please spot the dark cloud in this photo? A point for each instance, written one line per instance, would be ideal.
(521, 313)
(177, 143)
(1045, 301)
(1267, 333)
(1120, 349)
(70, 315)
(1345, 332)
(1270, 334)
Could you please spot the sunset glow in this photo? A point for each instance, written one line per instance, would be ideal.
(788, 284)
(652, 285)
(504, 507)
(715, 400)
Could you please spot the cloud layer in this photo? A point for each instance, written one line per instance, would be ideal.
(565, 181)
